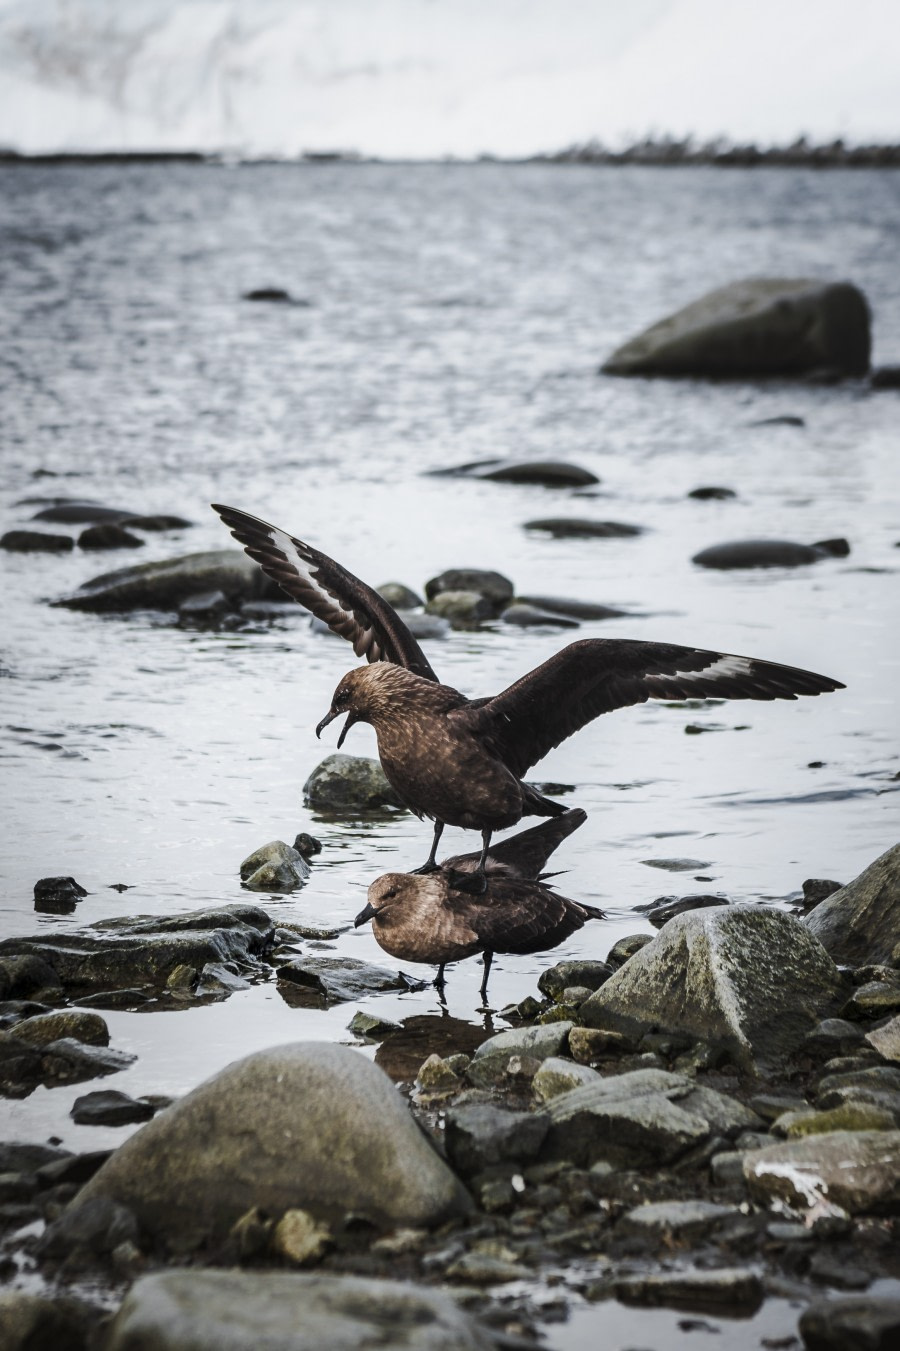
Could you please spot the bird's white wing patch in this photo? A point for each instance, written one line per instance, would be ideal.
(304, 569)
(724, 667)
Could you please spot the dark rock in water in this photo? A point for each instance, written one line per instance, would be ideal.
(560, 977)
(576, 609)
(18, 1157)
(157, 522)
(24, 974)
(525, 616)
(274, 867)
(463, 610)
(861, 922)
(479, 1135)
(547, 473)
(769, 553)
(68, 512)
(91, 1230)
(428, 626)
(493, 586)
(667, 907)
(193, 1310)
(205, 610)
(400, 596)
(35, 541)
(885, 377)
(307, 845)
(571, 527)
(626, 947)
(310, 1125)
(109, 535)
(274, 295)
(723, 1288)
(782, 420)
(109, 1108)
(349, 783)
(712, 494)
(858, 1323)
(757, 326)
(70, 1061)
(121, 953)
(842, 1172)
(51, 893)
(73, 1169)
(36, 1323)
(745, 978)
(675, 865)
(343, 978)
(79, 1024)
(165, 585)
(816, 890)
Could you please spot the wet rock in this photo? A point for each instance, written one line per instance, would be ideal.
(769, 553)
(678, 1219)
(402, 597)
(724, 1116)
(625, 948)
(36, 1323)
(629, 1120)
(300, 1238)
(21, 1157)
(206, 609)
(479, 1135)
(166, 585)
(518, 1051)
(310, 1125)
(557, 1075)
(109, 1108)
(123, 952)
(75, 1023)
(816, 890)
(556, 978)
(426, 626)
(274, 867)
(343, 978)
(833, 1037)
(587, 1044)
(845, 1172)
(307, 845)
(726, 1288)
(493, 586)
(369, 1025)
(524, 616)
(861, 922)
(349, 783)
(273, 295)
(756, 326)
(108, 535)
(189, 1310)
(570, 527)
(575, 609)
(72, 1169)
(461, 609)
(53, 892)
(35, 541)
(547, 473)
(70, 1061)
(712, 494)
(849, 1116)
(743, 977)
(886, 1039)
(92, 1229)
(885, 377)
(878, 1078)
(873, 1000)
(675, 865)
(869, 1323)
(158, 522)
(780, 420)
(78, 511)
(481, 1268)
(667, 907)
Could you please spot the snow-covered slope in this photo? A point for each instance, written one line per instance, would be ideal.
(435, 77)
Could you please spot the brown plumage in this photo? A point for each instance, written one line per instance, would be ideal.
(428, 919)
(460, 761)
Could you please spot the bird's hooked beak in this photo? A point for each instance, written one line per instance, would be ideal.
(364, 915)
(330, 717)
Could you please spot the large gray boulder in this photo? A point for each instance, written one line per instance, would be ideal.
(838, 1173)
(308, 1126)
(860, 924)
(349, 783)
(757, 326)
(166, 585)
(192, 1310)
(747, 978)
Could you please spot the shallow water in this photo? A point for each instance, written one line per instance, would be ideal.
(456, 312)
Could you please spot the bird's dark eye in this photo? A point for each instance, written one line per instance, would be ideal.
(341, 697)
(390, 894)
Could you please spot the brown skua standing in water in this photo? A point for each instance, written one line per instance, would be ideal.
(460, 761)
(428, 919)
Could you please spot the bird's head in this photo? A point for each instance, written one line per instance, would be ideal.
(367, 693)
(394, 898)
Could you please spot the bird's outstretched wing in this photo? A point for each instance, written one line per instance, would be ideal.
(594, 676)
(523, 917)
(350, 608)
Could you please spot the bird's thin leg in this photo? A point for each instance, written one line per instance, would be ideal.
(485, 846)
(488, 958)
(440, 980)
(430, 865)
(475, 882)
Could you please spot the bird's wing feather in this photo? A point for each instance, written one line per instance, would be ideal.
(517, 917)
(523, 855)
(594, 676)
(347, 605)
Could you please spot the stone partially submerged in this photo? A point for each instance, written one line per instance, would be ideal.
(747, 978)
(860, 923)
(756, 326)
(308, 1126)
(167, 585)
(192, 1310)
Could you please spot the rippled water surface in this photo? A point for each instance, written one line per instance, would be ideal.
(454, 313)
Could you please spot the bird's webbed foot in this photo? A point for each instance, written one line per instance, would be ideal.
(474, 884)
(428, 867)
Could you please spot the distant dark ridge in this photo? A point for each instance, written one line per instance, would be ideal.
(666, 151)
(108, 157)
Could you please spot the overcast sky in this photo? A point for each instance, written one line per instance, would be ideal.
(438, 77)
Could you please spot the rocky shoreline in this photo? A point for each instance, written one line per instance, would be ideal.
(707, 1121)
